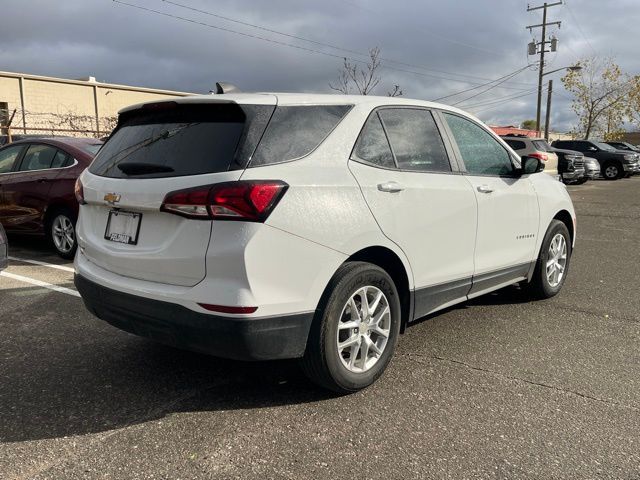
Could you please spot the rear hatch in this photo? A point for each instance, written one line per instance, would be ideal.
(157, 149)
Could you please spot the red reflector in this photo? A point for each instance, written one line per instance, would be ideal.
(227, 309)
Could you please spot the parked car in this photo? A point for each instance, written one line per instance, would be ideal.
(534, 147)
(37, 179)
(4, 249)
(614, 163)
(264, 226)
(4, 139)
(571, 166)
(624, 146)
(591, 168)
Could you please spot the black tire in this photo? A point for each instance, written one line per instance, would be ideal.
(62, 248)
(322, 362)
(581, 181)
(612, 171)
(539, 287)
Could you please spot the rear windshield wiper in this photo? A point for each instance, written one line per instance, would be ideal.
(141, 168)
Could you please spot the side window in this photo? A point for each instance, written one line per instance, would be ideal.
(581, 146)
(61, 159)
(294, 132)
(415, 139)
(372, 145)
(38, 157)
(8, 157)
(481, 153)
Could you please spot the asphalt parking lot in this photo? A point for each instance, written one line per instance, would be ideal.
(497, 388)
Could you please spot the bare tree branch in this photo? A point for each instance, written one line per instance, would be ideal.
(359, 79)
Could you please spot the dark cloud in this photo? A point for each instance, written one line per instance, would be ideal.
(471, 40)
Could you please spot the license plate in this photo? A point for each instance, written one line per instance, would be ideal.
(123, 227)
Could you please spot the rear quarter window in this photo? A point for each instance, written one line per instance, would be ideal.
(295, 131)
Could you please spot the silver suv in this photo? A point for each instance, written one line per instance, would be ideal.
(534, 147)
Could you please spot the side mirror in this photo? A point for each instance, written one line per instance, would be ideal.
(531, 165)
(592, 149)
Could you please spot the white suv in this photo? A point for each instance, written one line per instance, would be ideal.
(264, 226)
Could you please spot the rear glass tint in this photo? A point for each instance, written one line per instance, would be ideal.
(295, 131)
(515, 144)
(178, 140)
(541, 145)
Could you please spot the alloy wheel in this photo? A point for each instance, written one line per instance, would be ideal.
(557, 260)
(363, 329)
(611, 171)
(63, 233)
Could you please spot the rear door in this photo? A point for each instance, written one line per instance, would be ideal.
(508, 213)
(26, 190)
(156, 150)
(420, 202)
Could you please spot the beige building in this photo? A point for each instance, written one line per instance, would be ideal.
(58, 106)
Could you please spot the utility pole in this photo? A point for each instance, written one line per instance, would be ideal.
(533, 47)
(548, 112)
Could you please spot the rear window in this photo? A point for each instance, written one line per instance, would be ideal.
(90, 148)
(295, 131)
(515, 144)
(170, 140)
(541, 145)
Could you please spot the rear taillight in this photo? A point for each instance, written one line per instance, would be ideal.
(79, 192)
(543, 157)
(248, 200)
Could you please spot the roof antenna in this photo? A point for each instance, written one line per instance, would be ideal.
(224, 87)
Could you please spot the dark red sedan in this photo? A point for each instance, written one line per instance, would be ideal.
(37, 179)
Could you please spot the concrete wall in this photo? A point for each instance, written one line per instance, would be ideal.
(89, 108)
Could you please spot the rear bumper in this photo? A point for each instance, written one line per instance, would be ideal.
(253, 338)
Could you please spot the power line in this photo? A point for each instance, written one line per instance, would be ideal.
(579, 28)
(428, 32)
(286, 44)
(501, 99)
(479, 86)
(316, 42)
(492, 86)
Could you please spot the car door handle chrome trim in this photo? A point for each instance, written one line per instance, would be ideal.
(485, 189)
(391, 187)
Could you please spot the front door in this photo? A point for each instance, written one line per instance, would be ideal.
(419, 201)
(508, 214)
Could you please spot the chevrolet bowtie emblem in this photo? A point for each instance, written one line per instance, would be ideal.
(112, 198)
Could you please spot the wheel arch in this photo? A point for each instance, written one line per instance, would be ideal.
(565, 217)
(53, 207)
(391, 263)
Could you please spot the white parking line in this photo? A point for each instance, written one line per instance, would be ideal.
(43, 264)
(40, 283)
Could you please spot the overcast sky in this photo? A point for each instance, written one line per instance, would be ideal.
(451, 46)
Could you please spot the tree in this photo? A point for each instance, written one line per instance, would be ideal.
(362, 80)
(529, 125)
(603, 97)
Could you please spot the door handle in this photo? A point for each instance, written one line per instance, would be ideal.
(485, 189)
(391, 187)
